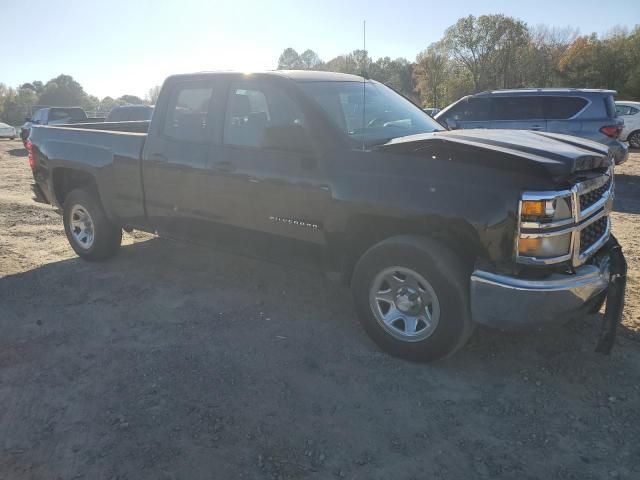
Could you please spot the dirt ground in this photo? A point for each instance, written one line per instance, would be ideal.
(178, 362)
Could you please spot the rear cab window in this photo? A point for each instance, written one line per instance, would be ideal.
(75, 114)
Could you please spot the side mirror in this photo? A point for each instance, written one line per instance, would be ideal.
(452, 124)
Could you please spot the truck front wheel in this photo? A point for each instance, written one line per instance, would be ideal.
(412, 297)
(90, 233)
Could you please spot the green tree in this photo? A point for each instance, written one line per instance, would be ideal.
(631, 87)
(131, 99)
(289, 60)
(152, 95)
(309, 60)
(16, 105)
(486, 47)
(431, 73)
(62, 91)
(108, 103)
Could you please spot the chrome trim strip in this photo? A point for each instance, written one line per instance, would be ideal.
(546, 226)
(556, 281)
(546, 195)
(603, 200)
(508, 302)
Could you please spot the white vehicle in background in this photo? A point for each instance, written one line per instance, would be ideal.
(7, 131)
(630, 113)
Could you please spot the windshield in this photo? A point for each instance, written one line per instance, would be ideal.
(383, 115)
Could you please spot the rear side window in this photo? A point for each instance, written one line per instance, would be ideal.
(610, 106)
(626, 110)
(562, 108)
(187, 113)
(517, 108)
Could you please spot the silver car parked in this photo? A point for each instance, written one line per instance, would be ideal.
(7, 131)
(586, 113)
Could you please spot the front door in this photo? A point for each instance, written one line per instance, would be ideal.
(266, 177)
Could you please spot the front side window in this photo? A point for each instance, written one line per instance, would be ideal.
(517, 108)
(369, 113)
(187, 113)
(263, 116)
(470, 110)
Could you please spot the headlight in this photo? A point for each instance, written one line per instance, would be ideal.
(551, 246)
(545, 227)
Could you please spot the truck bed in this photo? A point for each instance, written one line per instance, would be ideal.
(110, 152)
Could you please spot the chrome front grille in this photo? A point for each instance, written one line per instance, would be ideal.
(592, 197)
(589, 225)
(593, 232)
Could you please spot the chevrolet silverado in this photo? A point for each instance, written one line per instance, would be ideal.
(434, 230)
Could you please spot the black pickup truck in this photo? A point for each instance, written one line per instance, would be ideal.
(434, 230)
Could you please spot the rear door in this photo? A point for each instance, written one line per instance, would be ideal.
(518, 113)
(175, 158)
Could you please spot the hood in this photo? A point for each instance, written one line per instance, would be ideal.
(554, 154)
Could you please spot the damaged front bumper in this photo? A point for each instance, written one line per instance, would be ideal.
(509, 302)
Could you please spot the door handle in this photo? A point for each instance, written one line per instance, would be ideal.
(223, 166)
(536, 127)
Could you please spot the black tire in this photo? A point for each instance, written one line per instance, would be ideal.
(634, 139)
(106, 236)
(449, 279)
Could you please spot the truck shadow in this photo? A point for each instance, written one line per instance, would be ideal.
(179, 353)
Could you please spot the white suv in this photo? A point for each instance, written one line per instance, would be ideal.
(630, 113)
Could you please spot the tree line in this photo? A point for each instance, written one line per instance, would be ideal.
(496, 51)
(61, 91)
(474, 54)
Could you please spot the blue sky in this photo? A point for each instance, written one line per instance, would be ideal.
(117, 46)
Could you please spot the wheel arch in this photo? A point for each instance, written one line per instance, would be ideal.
(632, 132)
(64, 180)
(365, 231)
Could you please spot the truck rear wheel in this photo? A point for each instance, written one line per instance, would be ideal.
(90, 233)
(412, 297)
